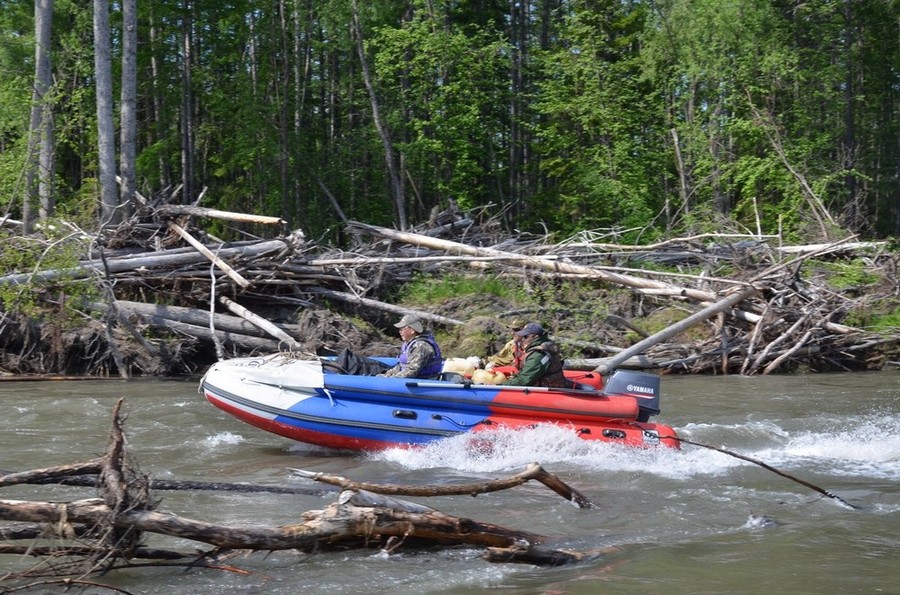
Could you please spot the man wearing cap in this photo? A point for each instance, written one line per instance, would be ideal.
(420, 356)
(543, 364)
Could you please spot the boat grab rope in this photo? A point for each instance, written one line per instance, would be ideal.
(459, 424)
(328, 394)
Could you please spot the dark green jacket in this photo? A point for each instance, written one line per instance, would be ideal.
(543, 366)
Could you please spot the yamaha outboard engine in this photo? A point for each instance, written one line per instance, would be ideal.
(643, 386)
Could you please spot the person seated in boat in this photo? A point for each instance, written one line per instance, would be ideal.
(420, 355)
(511, 354)
(542, 364)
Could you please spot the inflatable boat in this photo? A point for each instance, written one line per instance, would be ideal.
(310, 401)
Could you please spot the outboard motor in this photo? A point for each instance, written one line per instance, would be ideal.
(643, 386)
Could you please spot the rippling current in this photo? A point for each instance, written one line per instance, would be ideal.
(691, 521)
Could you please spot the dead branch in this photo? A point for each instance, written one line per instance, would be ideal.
(52, 474)
(534, 471)
(259, 322)
(171, 210)
(235, 276)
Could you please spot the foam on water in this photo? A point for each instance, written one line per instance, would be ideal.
(862, 446)
(510, 450)
(224, 438)
(866, 446)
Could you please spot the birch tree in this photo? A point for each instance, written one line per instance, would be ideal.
(39, 172)
(106, 140)
(128, 139)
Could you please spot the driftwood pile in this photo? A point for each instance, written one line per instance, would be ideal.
(95, 535)
(174, 298)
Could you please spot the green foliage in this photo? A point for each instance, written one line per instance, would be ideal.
(599, 119)
(59, 297)
(854, 274)
(442, 89)
(561, 116)
(434, 290)
(80, 208)
(882, 318)
(888, 323)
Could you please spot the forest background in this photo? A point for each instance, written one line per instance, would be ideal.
(641, 119)
(649, 117)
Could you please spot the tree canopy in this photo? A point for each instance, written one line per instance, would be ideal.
(642, 117)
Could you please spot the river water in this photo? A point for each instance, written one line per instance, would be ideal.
(689, 521)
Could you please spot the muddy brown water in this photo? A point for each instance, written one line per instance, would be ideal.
(689, 521)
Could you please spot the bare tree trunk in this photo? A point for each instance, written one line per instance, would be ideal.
(302, 65)
(128, 137)
(284, 116)
(165, 172)
(47, 156)
(106, 131)
(39, 171)
(396, 180)
(683, 192)
(187, 105)
(517, 35)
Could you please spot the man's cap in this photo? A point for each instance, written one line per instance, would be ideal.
(412, 321)
(532, 328)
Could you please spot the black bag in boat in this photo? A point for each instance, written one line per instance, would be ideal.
(348, 362)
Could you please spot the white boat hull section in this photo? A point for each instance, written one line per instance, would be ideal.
(272, 382)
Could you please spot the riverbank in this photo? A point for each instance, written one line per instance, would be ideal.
(713, 303)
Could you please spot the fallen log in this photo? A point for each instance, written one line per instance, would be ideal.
(349, 522)
(196, 317)
(109, 528)
(250, 343)
(170, 210)
(676, 328)
(51, 474)
(636, 362)
(100, 267)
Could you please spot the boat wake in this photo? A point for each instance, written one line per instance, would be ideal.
(509, 450)
(867, 447)
(870, 447)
